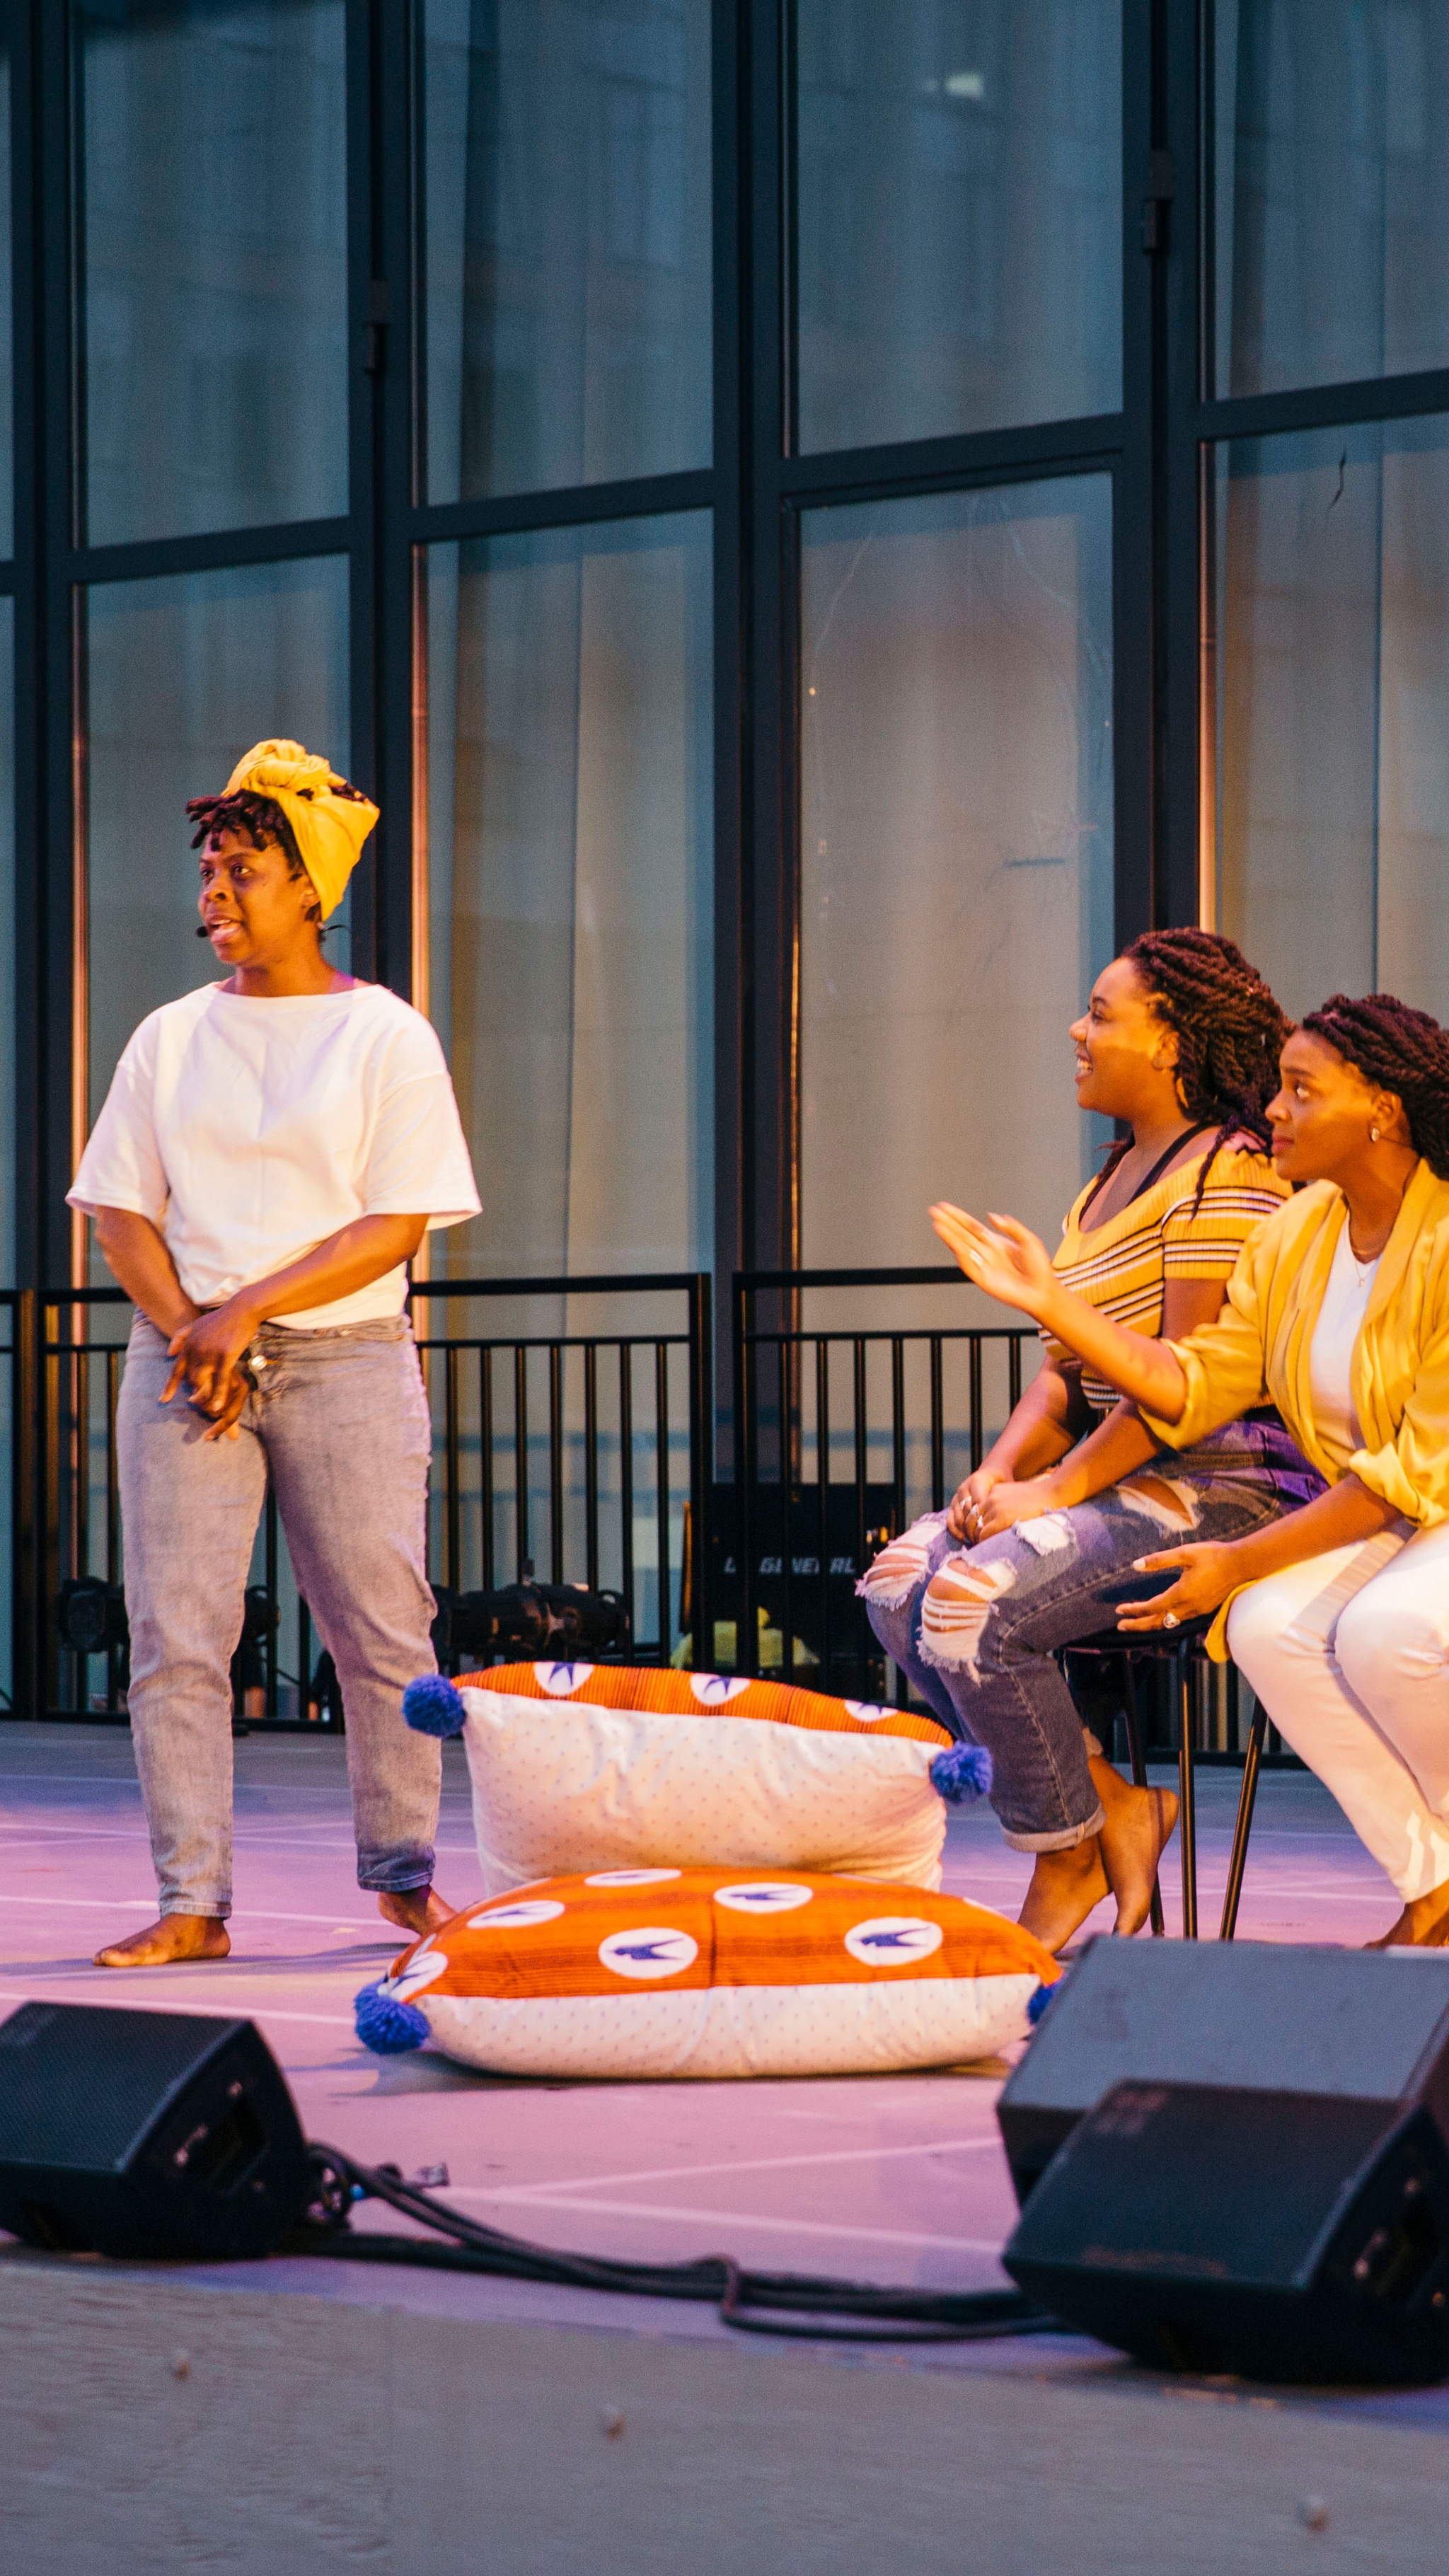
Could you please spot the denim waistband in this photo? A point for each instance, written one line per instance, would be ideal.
(316, 1341)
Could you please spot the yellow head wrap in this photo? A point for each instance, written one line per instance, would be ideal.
(329, 829)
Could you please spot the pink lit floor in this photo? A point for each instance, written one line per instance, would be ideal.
(882, 2178)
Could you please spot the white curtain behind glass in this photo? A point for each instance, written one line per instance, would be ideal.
(1333, 710)
(570, 841)
(957, 857)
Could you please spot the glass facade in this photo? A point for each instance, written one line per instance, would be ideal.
(956, 837)
(1331, 241)
(570, 862)
(960, 216)
(568, 242)
(814, 521)
(1332, 840)
(181, 676)
(213, 262)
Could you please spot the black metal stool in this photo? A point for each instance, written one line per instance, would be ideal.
(1181, 1647)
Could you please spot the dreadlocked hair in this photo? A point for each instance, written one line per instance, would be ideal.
(1229, 1030)
(258, 819)
(1404, 1051)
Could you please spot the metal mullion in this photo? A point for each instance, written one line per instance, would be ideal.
(1177, 356)
(1136, 786)
(399, 678)
(643, 496)
(970, 456)
(366, 351)
(154, 558)
(1307, 407)
(732, 660)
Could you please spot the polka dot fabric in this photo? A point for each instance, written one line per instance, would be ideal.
(708, 1973)
(580, 1767)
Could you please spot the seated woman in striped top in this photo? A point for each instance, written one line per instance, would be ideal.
(1179, 1042)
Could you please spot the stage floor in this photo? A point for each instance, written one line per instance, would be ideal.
(894, 2178)
(165, 2419)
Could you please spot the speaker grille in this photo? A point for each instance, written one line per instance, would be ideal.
(72, 2072)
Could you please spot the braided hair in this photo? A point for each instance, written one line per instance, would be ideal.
(1404, 1051)
(1229, 1030)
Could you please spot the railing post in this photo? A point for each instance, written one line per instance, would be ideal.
(747, 1643)
(27, 1509)
(701, 1466)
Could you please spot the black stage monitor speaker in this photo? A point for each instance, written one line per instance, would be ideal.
(1282, 2236)
(145, 2133)
(1265, 2017)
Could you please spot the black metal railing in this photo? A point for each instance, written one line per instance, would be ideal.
(844, 1432)
(587, 1452)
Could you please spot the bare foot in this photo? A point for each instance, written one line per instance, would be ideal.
(416, 1909)
(173, 1937)
(1137, 1826)
(1065, 1885)
(1424, 1925)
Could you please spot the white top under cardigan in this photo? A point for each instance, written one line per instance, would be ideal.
(249, 1130)
(1339, 1323)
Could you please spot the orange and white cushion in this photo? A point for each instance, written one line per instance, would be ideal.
(711, 1973)
(584, 1767)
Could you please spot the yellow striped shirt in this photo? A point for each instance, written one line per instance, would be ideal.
(1122, 1266)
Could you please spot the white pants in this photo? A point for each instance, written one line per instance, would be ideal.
(1349, 1653)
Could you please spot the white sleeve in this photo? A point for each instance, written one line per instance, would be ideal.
(121, 1166)
(418, 1164)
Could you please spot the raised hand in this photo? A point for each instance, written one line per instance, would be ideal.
(1004, 1258)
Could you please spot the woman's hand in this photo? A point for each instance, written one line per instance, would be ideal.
(205, 1355)
(1009, 1503)
(1209, 1573)
(968, 1501)
(1006, 1259)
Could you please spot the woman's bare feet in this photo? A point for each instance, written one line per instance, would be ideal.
(1065, 1885)
(1137, 1826)
(171, 1937)
(1424, 1925)
(414, 1909)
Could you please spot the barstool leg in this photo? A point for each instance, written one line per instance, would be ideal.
(1246, 1800)
(1187, 1820)
(1139, 1771)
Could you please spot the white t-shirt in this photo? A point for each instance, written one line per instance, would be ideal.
(1340, 1321)
(248, 1130)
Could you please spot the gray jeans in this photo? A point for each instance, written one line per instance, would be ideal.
(340, 1425)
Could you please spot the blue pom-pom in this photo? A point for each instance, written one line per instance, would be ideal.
(1038, 2004)
(386, 2026)
(434, 1706)
(958, 1776)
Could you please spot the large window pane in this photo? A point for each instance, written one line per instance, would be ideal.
(568, 241)
(570, 804)
(7, 432)
(1332, 841)
(1332, 186)
(215, 277)
(183, 676)
(956, 810)
(960, 215)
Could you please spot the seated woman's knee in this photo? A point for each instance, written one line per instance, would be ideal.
(1380, 1636)
(958, 1603)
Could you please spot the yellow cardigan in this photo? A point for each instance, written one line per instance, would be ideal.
(1258, 1350)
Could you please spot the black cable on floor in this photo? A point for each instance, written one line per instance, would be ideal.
(753, 2302)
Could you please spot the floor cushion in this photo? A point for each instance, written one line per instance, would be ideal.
(583, 1766)
(710, 1972)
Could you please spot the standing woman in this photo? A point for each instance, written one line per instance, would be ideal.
(1338, 1312)
(272, 1151)
(1179, 1043)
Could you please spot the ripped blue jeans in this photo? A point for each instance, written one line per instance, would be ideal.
(976, 1630)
